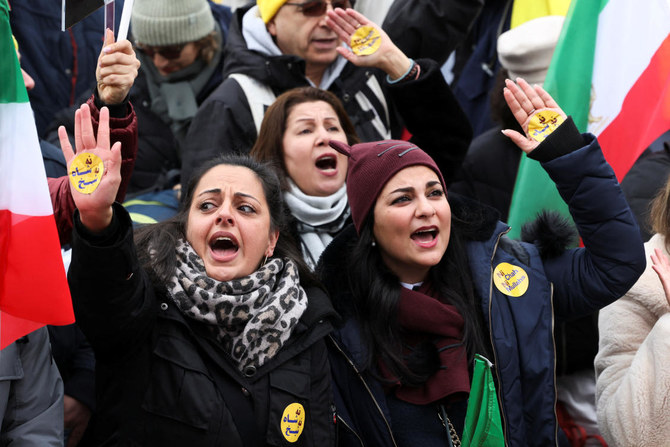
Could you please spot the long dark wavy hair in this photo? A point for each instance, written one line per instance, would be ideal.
(160, 239)
(377, 292)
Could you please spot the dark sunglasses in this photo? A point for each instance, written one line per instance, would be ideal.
(168, 51)
(313, 8)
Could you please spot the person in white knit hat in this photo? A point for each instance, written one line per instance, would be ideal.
(525, 51)
(174, 34)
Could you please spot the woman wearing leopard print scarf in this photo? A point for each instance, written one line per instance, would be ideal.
(208, 330)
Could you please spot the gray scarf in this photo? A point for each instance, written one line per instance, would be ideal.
(252, 317)
(174, 97)
(319, 219)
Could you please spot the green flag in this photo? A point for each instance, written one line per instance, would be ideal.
(568, 81)
(483, 427)
(624, 104)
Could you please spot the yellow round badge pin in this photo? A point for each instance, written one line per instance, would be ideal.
(86, 172)
(293, 421)
(510, 279)
(543, 123)
(365, 40)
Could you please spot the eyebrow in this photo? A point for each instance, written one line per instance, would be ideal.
(410, 188)
(328, 118)
(237, 194)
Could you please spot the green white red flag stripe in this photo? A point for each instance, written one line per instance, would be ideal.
(33, 286)
(610, 72)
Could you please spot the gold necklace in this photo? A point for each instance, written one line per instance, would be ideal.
(453, 435)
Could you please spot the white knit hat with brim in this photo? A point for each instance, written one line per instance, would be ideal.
(526, 50)
(171, 22)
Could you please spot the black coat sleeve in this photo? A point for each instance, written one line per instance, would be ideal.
(431, 113)
(223, 124)
(589, 278)
(112, 295)
(430, 28)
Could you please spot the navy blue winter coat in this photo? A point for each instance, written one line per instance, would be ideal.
(562, 284)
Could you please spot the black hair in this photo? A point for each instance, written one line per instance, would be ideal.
(156, 243)
(377, 292)
(500, 111)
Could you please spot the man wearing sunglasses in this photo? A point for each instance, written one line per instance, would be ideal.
(276, 45)
(180, 46)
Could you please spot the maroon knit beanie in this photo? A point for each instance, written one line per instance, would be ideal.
(373, 164)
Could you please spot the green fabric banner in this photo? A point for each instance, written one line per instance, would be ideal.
(12, 89)
(568, 81)
(483, 427)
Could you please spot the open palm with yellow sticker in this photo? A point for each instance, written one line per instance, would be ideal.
(368, 44)
(535, 110)
(94, 169)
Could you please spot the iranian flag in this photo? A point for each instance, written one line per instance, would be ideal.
(610, 72)
(33, 286)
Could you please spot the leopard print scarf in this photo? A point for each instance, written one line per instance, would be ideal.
(252, 317)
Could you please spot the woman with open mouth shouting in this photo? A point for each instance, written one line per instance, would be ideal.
(427, 284)
(207, 328)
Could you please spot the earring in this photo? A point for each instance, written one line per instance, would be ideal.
(264, 260)
(374, 244)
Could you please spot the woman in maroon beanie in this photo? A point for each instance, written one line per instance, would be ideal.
(424, 282)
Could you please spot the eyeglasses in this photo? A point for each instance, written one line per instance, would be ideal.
(168, 51)
(314, 8)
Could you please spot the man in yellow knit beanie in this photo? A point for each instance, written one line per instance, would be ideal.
(268, 8)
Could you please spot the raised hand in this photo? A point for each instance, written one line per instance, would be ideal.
(95, 209)
(661, 266)
(387, 57)
(116, 70)
(525, 101)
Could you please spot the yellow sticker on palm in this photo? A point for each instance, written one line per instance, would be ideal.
(543, 123)
(86, 172)
(365, 40)
(510, 279)
(293, 422)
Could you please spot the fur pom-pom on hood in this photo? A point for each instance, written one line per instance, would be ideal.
(551, 233)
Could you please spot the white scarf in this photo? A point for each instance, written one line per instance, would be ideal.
(319, 219)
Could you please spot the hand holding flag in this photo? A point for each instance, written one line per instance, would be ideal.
(95, 209)
(116, 70)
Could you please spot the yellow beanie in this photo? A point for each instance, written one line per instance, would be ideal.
(269, 8)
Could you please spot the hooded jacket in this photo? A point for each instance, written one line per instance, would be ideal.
(225, 122)
(561, 283)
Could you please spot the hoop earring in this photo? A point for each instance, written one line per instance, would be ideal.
(265, 259)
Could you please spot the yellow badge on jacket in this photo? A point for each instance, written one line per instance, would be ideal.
(86, 172)
(510, 279)
(293, 421)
